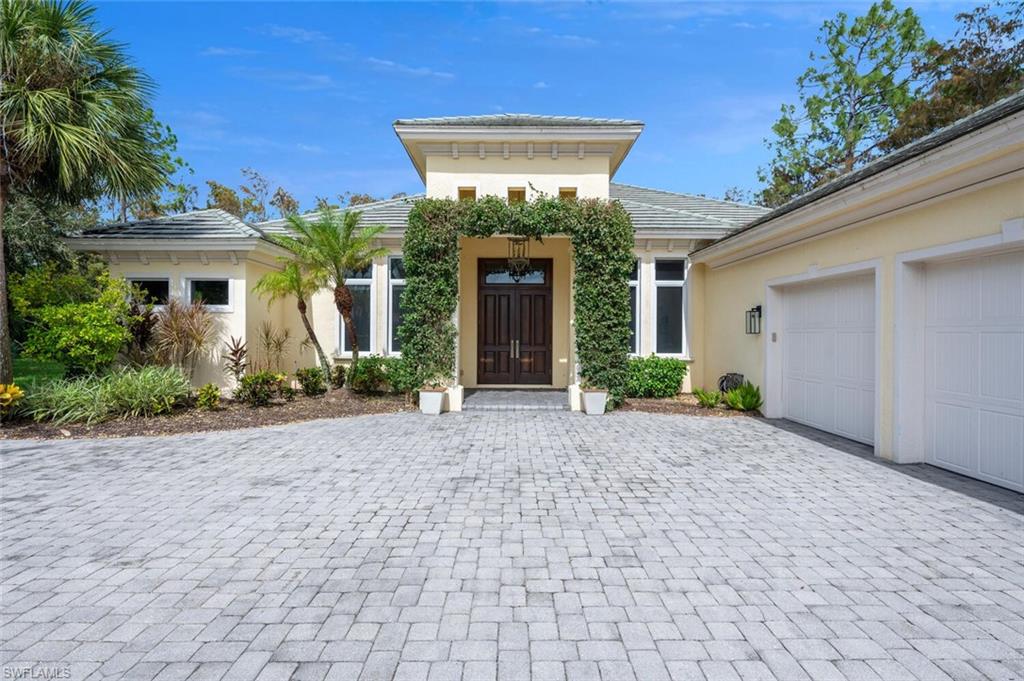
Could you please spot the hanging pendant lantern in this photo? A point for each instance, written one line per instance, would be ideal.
(518, 257)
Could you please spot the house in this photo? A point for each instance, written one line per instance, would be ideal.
(886, 307)
(518, 157)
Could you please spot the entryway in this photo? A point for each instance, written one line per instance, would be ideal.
(515, 400)
(514, 324)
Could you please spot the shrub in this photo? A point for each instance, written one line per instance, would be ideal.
(311, 381)
(10, 396)
(368, 375)
(708, 399)
(258, 388)
(402, 376)
(84, 337)
(208, 397)
(184, 334)
(747, 397)
(655, 376)
(287, 392)
(144, 391)
(236, 359)
(338, 374)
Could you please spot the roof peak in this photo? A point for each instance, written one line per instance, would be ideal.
(518, 119)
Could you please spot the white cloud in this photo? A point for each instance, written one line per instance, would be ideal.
(540, 85)
(291, 80)
(227, 52)
(420, 71)
(295, 34)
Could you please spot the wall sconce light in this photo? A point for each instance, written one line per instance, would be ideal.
(754, 320)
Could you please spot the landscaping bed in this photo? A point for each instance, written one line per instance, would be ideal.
(230, 416)
(680, 404)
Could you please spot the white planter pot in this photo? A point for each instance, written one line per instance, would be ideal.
(431, 402)
(594, 401)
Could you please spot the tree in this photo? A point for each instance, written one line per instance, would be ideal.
(736, 195)
(254, 196)
(980, 65)
(284, 202)
(178, 195)
(294, 281)
(850, 100)
(332, 247)
(224, 197)
(72, 117)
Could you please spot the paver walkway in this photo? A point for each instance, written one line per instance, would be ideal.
(547, 545)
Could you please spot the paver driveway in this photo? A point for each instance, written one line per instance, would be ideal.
(500, 545)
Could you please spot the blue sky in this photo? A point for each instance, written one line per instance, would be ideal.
(306, 93)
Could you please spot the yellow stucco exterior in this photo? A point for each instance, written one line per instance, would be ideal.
(720, 295)
(539, 175)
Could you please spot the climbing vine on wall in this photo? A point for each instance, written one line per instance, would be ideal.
(602, 239)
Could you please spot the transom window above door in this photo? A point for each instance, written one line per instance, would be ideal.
(499, 273)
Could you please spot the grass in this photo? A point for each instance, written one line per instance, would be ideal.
(28, 371)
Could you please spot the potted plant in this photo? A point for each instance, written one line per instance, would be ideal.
(594, 399)
(432, 394)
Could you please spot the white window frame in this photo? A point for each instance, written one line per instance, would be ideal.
(342, 352)
(132, 278)
(634, 284)
(391, 293)
(658, 284)
(230, 307)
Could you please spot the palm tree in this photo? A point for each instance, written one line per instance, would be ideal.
(72, 117)
(295, 282)
(331, 248)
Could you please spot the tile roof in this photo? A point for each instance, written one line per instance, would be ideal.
(654, 209)
(651, 210)
(392, 213)
(1002, 109)
(198, 224)
(518, 119)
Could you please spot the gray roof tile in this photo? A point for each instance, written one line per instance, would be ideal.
(519, 119)
(392, 213)
(199, 224)
(651, 208)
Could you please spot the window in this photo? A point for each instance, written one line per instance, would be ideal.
(396, 284)
(361, 285)
(669, 282)
(156, 291)
(516, 195)
(567, 192)
(467, 193)
(214, 292)
(634, 305)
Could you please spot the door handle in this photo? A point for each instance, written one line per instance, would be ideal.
(511, 349)
(517, 349)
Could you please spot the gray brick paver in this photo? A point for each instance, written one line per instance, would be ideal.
(531, 544)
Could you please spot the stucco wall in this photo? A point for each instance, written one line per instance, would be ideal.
(232, 322)
(494, 175)
(720, 296)
(281, 314)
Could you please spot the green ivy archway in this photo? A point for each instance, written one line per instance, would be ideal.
(601, 235)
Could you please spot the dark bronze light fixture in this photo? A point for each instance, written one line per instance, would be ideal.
(518, 257)
(754, 320)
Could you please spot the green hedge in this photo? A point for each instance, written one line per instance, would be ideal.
(602, 240)
(655, 376)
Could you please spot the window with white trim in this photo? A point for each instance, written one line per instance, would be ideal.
(361, 286)
(156, 291)
(215, 293)
(396, 284)
(634, 309)
(669, 300)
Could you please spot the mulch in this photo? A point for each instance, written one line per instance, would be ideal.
(681, 404)
(232, 415)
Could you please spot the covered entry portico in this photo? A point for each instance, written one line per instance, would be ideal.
(515, 333)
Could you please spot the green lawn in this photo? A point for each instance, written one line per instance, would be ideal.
(28, 371)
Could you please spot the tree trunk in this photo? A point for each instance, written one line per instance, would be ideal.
(316, 343)
(6, 358)
(343, 301)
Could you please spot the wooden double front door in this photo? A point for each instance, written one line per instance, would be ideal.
(514, 324)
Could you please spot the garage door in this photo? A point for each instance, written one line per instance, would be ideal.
(828, 356)
(974, 360)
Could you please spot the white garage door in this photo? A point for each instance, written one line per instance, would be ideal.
(828, 356)
(974, 363)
